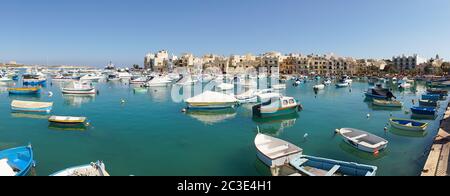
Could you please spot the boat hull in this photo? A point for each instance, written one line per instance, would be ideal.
(395, 124)
(364, 148)
(210, 106)
(79, 92)
(21, 158)
(258, 112)
(370, 95)
(428, 112)
(18, 91)
(276, 162)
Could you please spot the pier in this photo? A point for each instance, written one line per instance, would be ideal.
(438, 161)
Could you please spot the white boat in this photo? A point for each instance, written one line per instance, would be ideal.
(139, 80)
(319, 87)
(347, 79)
(275, 152)
(5, 79)
(31, 106)
(158, 82)
(405, 85)
(225, 87)
(342, 84)
(93, 169)
(327, 82)
(249, 96)
(279, 86)
(363, 140)
(78, 87)
(91, 77)
(187, 81)
(124, 75)
(211, 100)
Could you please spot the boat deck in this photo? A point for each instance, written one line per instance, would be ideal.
(438, 159)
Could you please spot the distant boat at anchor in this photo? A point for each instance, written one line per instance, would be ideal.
(79, 88)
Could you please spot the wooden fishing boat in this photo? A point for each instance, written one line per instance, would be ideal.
(437, 91)
(275, 152)
(433, 97)
(424, 111)
(92, 169)
(211, 100)
(317, 166)
(24, 90)
(363, 140)
(428, 103)
(409, 125)
(16, 161)
(31, 106)
(67, 119)
(279, 86)
(385, 103)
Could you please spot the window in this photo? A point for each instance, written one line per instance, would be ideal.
(291, 101)
(285, 102)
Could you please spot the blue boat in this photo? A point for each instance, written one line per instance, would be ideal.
(423, 111)
(408, 125)
(16, 161)
(433, 97)
(24, 91)
(316, 166)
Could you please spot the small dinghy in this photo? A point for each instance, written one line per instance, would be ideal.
(423, 111)
(31, 106)
(408, 125)
(363, 140)
(317, 166)
(432, 97)
(93, 169)
(275, 152)
(319, 87)
(24, 91)
(67, 119)
(16, 161)
(342, 84)
(437, 91)
(428, 103)
(385, 103)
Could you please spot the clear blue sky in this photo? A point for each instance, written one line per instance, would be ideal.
(96, 31)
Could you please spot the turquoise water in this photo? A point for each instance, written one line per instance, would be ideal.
(149, 135)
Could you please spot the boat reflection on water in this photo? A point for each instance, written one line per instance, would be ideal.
(400, 132)
(77, 100)
(262, 168)
(67, 127)
(275, 125)
(361, 154)
(423, 117)
(210, 117)
(40, 116)
(159, 94)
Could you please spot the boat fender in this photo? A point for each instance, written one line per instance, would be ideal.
(337, 131)
(184, 110)
(88, 124)
(122, 101)
(368, 115)
(385, 129)
(305, 136)
(50, 93)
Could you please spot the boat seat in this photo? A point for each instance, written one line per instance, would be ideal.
(333, 170)
(358, 137)
(277, 149)
(6, 169)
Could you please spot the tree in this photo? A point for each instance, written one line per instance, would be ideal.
(445, 67)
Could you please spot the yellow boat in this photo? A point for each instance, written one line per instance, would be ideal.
(67, 119)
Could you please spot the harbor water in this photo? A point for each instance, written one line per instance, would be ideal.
(147, 134)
